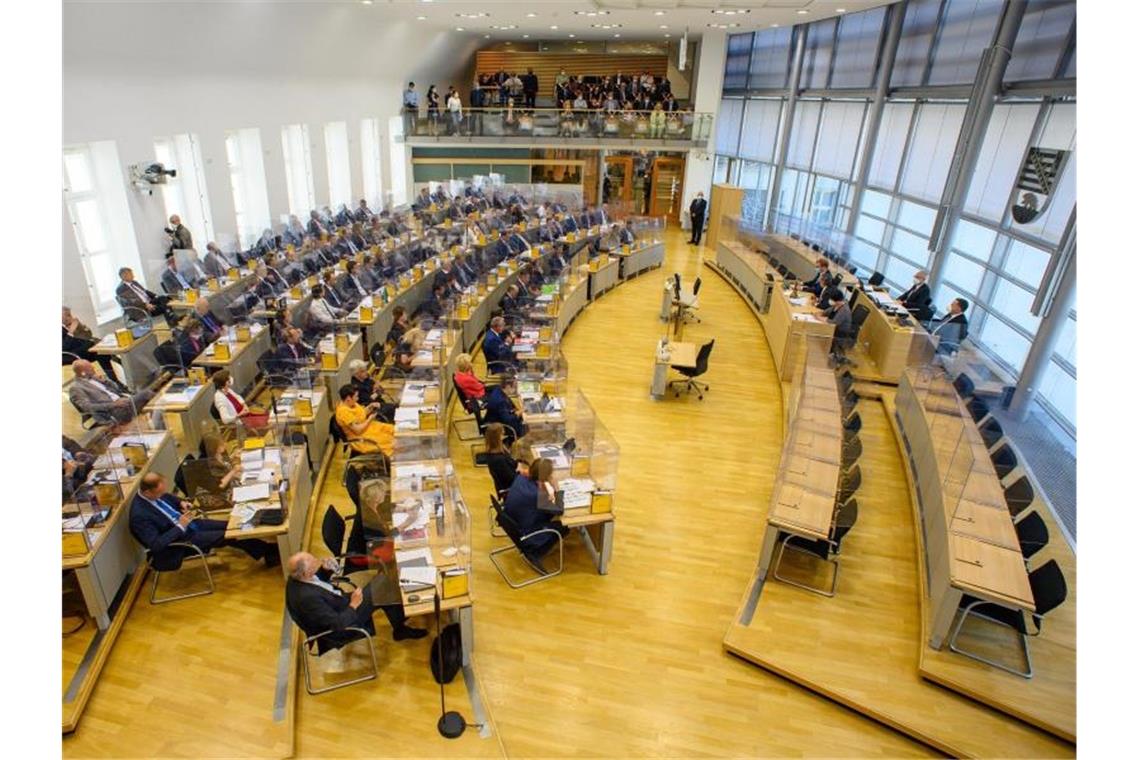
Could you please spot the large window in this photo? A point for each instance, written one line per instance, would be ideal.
(247, 182)
(397, 161)
(185, 194)
(298, 169)
(336, 153)
(96, 198)
(370, 162)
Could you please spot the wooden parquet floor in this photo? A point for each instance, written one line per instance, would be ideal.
(623, 665)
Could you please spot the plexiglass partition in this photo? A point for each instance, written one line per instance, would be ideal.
(584, 454)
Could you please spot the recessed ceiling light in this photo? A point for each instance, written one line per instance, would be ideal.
(606, 26)
(421, 18)
(663, 26)
(366, 2)
(840, 10)
(591, 14)
(801, 13)
(526, 36)
(723, 26)
(668, 35)
(658, 13)
(554, 26)
(731, 12)
(531, 15)
(479, 14)
(617, 35)
(775, 25)
(571, 36)
(504, 26)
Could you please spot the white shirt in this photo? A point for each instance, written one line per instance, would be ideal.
(322, 311)
(140, 290)
(322, 584)
(225, 407)
(110, 393)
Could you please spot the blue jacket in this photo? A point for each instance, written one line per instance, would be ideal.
(495, 350)
(521, 505)
(153, 529)
(498, 408)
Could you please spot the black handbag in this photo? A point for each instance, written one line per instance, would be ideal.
(268, 517)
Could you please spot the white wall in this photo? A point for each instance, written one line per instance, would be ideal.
(707, 88)
(135, 71)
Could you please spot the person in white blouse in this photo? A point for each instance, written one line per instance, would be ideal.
(233, 408)
(322, 314)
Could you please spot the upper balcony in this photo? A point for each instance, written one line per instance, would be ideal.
(678, 130)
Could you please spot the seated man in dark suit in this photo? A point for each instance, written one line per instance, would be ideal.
(916, 298)
(353, 286)
(821, 279)
(159, 519)
(78, 342)
(559, 261)
(569, 224)
(498, 407)
(626, 235)
(292, 352)
(952, 328)
(174, 281)
(433, 306)
(317, 606)
(499, 355)
(518, 243)
(510, 303)
(192, 343)
(132, 295)
(211, 325)
(501, 250)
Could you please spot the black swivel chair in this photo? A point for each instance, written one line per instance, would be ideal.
(169, 560)
(333, 530)
(826, 550)
(1049, 593)
(1005, 461)
(852, 450)
(689, 384)
(1018, 496)
(849, 483)
(992, 432)
(977, 408)
(875, 280)
(1032, 535)
(514, 532)
(964, 385)
(689, 310)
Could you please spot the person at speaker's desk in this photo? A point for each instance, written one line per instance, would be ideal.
(821, 279)
(525, 495)
(916, 299)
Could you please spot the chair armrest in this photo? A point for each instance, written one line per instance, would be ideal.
(310, 640)
(539, 532)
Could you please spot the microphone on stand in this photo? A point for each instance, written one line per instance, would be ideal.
(451, 724)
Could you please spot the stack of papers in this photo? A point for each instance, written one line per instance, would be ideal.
(407, 418)
(805, 318)
(576, 492)
(434, 336)
(555, 454)
(258, 491)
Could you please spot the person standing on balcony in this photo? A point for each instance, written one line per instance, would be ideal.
(530, 87)
(411, 108)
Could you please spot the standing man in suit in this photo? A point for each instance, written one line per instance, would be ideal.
(104, 399)
(697, 210)
(318, 606)
(530, 87)
(132, 295)
(159, 519)
(180, 237)
(411, 108)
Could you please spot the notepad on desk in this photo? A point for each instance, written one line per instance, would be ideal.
(254, 492)
(417, 576)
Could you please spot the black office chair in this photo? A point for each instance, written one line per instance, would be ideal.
(167, 354)
(1049, 593)
(702, 366)
(852, 450)
(688, 311)
(470, 406)
(991, 432)
(848, 400)
(377, 355)
(853, 424)
(849, 483)
(977, 408)
(826, 550)
(875, 280)
(964, 385)
(1005, 461)
(845, 379)
(783, 270)
(333, 530)
(329, 640)
(1032, 535)
(515, 534)
(1018, 496)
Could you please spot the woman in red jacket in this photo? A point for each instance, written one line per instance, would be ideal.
(466, 380)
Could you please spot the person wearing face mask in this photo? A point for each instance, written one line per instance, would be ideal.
(916, 298)
(232, 407)
(821, 279)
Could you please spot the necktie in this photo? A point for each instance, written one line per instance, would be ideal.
(209, 322)
(139, 289)
(181, 280)
(166, 509)
(295, 354)
(194, 345)
(104, 388)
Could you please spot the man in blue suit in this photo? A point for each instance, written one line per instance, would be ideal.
(498, 353)
(498, 407)
(159, 519)
(569, 224)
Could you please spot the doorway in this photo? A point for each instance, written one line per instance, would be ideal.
(617, 187)
(668, 176)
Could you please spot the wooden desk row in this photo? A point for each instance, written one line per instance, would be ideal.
(970, 541)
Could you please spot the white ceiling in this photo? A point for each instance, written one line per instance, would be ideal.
(638, 19)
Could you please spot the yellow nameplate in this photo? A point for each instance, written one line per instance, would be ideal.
(455, 584)
(253, 444)
(342, 341)
(552, 309)
(601, 501)
(417, 274)
(491, 279)
(233, 273)
(542, 350)
(365, 313)
(75, 545)
(295, 292)
(545, 333)
(108, 494)
(547, 387)
(222, 351)
(243, 334)
(312, 280)
(328, 361)
(135, 453)
(212, 284)
(481, 240)
(196, 375)
(579, 467)
(535, 252)
(123, 338)
(571, 237)
(429, 419)
(625, 248)
(303, 407)
(464, 311)
(593, 265)
(191, 296)
(447, 224)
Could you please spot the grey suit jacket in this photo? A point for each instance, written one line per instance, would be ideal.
(129, 297)
(215, 265)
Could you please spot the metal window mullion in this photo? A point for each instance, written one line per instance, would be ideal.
(934, 40)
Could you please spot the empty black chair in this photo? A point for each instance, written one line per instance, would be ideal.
(823, 549)
(783, 270)
(853, 423)
(167, 354)
(991, 432)
(852, 450)
(690, 373)
(1032, 535)
(849, 483)
(849, 400)
(964, 385)
(846, 380)
(376, 354)
(1049, 593)
(333, 529)
(876, 279)
(851, 268)
(1005, 461)
(1018, 496)
(978, 408)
